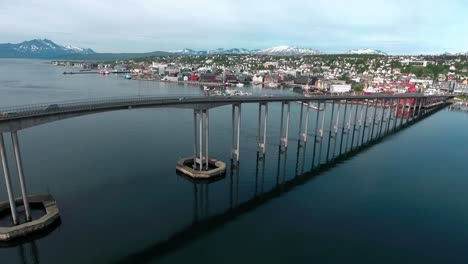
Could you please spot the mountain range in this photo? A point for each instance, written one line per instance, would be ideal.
(274, 51)
(47, 49)
(367, 51)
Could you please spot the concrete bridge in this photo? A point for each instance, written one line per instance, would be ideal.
(360, 119)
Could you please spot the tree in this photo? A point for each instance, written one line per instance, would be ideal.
(358, 87)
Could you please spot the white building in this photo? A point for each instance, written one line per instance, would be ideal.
(340, 88)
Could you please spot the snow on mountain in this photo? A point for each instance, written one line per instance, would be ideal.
(275, 51)
(287, 51)
(366, 51)
(454, 54)
(192, 52)
(41, 48)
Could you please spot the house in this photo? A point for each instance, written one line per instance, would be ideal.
(208, 77)
(256, 79)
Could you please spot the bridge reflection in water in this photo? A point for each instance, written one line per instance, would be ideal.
(348, 128)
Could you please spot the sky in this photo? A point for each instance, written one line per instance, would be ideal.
(332, 26)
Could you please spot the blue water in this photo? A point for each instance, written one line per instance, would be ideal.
(401, 199)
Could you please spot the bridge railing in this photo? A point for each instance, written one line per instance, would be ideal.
(108, 102)
(93, 104)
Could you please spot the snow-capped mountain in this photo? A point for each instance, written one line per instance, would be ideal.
(275, 51)
(367, 51)
(454, 54)
(192, 52)
(287, 51)
(40, 48)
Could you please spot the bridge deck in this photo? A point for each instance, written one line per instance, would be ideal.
(20, 117)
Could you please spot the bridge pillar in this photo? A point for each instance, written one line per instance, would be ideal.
(348, 126)
(283, 144)
(303, 134)
(321, 130)
(200, 165)
(19, 166)
(261, 141)
(382, 117)
(201, 148)
(354, 123)
(365, 121)
(343, 125)
(335, 136)
(396, 114)
(236, 116)
(415, 103)
(389, 116)
(331, 128)
(317, 130)
(374, 116)
(6, 174)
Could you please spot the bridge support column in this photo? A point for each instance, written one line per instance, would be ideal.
(236, 118)
(396, 114)
(365, 122)
(331, 129)
(335, 136)
(381, 119)
(283, 144)
(303, 134)
(408, 109)
(343, 125)
(389, 117)
(19, 166)
(354, 124)
(321, 131)
(200, 165)
(6, 174)
(371, 129)
(261, 141)
(348, 125)
(415, 103)
(200, 155)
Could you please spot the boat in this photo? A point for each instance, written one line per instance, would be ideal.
(272, 84)
(240, 85)
(128, 76)
(205, 88)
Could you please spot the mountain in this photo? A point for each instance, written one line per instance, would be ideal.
(275, 51)
(40, 48)
(454, 54)
(367, 51)
(287, 51)
(191, 52)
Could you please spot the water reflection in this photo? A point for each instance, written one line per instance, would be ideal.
(28, 253)
(204, 223)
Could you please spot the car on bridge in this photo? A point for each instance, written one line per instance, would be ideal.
(7, 113)
(53, 107)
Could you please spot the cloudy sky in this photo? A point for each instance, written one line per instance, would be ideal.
(393, 26)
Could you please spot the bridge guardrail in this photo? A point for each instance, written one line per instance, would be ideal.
(108, 102)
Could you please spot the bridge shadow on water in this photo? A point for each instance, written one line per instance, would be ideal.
(209, 224)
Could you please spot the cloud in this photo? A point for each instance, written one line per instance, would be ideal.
(336, 25)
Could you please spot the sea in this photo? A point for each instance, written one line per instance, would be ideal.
(400, 199)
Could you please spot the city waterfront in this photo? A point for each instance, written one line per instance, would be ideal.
(113, 175)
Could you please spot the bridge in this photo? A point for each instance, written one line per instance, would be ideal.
(353, 122)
